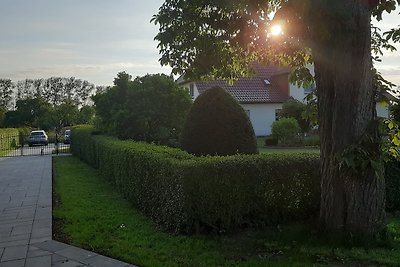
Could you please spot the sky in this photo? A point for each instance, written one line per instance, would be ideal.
(95, 39)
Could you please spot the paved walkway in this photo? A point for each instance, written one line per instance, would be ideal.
(26, 219)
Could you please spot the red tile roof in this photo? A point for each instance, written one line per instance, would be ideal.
(254, 89)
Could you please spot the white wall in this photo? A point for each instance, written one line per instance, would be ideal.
(187, 87)
(262, 116)
(382, 110)
(296, 92)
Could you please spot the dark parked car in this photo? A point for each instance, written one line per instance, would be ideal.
(38, 138)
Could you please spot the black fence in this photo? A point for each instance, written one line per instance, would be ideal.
(22, 145)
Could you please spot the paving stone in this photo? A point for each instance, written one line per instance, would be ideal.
(26, 214)
(8, 216)
(15, 238)
(51, 245)
(15, 223)
(68, 263)
(102, 261)
(14, 253)
(57, 258)
(35, 252)
(15, 263)
(5, 232)
(42, 232)
(26, 219)
(42, 261)
(21, 229)
(76, 254)
(40, 239)
(13, 243)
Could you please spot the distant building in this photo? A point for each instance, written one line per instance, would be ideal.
(261, 96)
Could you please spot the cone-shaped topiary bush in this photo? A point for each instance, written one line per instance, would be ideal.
(218, 125)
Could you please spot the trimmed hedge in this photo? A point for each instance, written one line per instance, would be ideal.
(191, 194)
(6, 142)
(188, 194)
(392, 179)
(218, 125)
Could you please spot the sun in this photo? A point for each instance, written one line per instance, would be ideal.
(276, 30)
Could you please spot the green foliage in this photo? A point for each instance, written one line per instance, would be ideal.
(312, 140)
(186, 193)
(9, 139)
(392, 182)
(95, 217)
(3, 112)
(6, 93)
(286, 130)
(395, 111)
(32, 112)
(271, 141)
(218, 125)
(65, 114)
(151, 108)
(295, 109)
(39, 113)
(365, 155)
(86, 115)
(392, 146)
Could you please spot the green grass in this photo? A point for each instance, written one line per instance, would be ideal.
(268, 150)
(95, 217)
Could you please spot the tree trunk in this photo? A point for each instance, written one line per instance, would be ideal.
(351, 202)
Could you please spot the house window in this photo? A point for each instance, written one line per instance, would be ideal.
(191, 90)
(277, 111)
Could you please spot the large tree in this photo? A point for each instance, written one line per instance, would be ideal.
(151, 108)
(218, 39)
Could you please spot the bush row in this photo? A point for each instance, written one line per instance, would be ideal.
(312, 140)
(191, 194)
(9, 138)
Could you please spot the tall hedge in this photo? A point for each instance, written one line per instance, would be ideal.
(186, 193)
(218, 125)
(9, 138)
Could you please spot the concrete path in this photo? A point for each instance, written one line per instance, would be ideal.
(26, 219)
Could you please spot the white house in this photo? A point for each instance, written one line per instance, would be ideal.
(261, 96)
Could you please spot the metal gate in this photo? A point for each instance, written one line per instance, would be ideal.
(22, 145)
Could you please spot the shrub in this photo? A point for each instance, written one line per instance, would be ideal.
(271, 141)
(9, 138)
(189, 194)
(312, 140)
(218, 125)
(151, 108)
(392, 179)
(286, 130)
(295, 109)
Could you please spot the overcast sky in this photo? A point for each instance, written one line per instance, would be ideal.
(94, 40)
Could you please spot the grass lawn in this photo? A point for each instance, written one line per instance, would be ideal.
(90, 214)
(4, 152)
(267, 150)
(271, 149)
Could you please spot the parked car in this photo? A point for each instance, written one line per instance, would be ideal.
(67, 137)
(38, 137)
